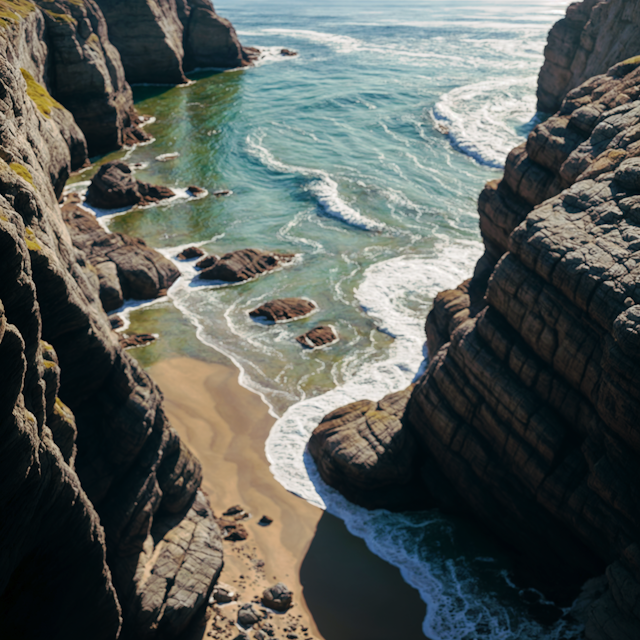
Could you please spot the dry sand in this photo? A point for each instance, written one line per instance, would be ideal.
(341, 590)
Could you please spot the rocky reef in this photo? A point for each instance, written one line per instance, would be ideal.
(109, 534)
(526, 418)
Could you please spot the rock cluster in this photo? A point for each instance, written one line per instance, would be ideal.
(127, 269)
(114, 187)
(526, 416)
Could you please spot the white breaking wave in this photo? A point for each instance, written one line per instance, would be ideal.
(341, 44)
(481, 119)
(320, 184)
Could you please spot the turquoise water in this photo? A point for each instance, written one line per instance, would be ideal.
(364, 155)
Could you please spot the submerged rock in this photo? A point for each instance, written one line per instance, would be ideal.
(196, 191)
(318, 337)
(114, 187)
(284, 309)
(244, 264)
(136, 340)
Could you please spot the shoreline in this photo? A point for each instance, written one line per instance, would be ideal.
(332, 574)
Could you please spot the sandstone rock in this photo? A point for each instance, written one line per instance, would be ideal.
(248, 615)
(126, 268)
(189, 253)
(114, 187)
(284, 309)
(319, 337)
(277, 597)
(244, 264)
(232, 530)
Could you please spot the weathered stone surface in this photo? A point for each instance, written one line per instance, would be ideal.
(277, 597)
(594, 36)
(224, 593)
(318, 337)
(248, 615)
(136, 340)
(284, 309)
(114, 187)
(206, 262)
(232, 530)
(244, 264)
(159, 40)
(126, 267)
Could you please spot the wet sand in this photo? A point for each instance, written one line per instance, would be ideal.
(341, 590)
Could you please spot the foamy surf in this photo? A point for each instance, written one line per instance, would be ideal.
(319, 184)
(487, 119)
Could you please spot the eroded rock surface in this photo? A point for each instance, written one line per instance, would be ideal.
(126, 267)
(242, 265)
(284, 309)
(318, 337)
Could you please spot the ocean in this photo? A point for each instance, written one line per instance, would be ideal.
(364, 155)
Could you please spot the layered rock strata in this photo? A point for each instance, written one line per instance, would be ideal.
(109, 534)
(284, 309)
(594, 35)
(241, 265)
(526, 416)
(318, 337)
(159, 40)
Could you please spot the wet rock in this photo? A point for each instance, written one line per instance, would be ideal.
(277, 597)
(265, 521)
(189, 253)
(244, 264)
(248, 615)
(288, 52)
(116, 322)
(223, 593)
(136, 340)
(114, 187)
(318, 337)
(220, 192)
(206, 262)
(284, 309)
(196, 191)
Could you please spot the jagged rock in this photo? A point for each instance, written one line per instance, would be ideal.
(114, 187)
(116, 322)
(242, 265)
(592, 37)
(126, 267)
(189, 253)
(136, 340)
(248, 615)
(223, 593)
(284, 309)
(318, 337)
(196, 191)
(288, 52)
(277, 597)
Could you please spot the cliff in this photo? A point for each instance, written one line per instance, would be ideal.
(526, 416)
(109, 534)
(594, 35)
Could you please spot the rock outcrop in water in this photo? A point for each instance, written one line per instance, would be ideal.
(594, 35)
(241, 265)
(526, 417)
(109, 534)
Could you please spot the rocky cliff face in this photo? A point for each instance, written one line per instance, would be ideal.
(109, 534)
(594, 35)
(159, 40)
(527, 415)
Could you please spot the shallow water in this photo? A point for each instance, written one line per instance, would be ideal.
(364, 155)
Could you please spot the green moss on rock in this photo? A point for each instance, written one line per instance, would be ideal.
(12, 11)
(22, 171)
(40, 95)
(31, 240)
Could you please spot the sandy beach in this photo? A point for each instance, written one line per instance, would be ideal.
(341, 590)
